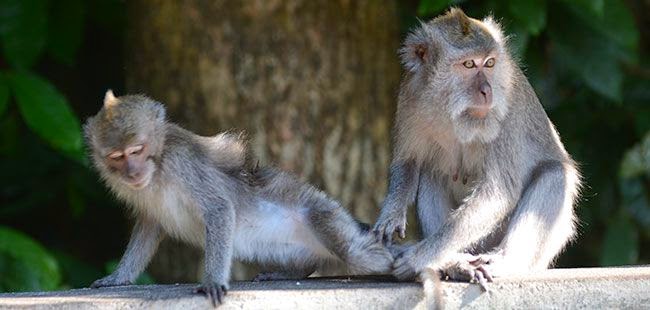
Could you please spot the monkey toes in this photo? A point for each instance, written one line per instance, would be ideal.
(215, 292)
(470, 268)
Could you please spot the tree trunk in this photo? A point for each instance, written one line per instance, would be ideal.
(312, 83)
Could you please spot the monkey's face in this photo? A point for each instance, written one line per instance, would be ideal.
(132, 164)
(476, 74)
(459, 69)
(126, 139)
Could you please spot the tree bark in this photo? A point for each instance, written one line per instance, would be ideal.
(312, 83)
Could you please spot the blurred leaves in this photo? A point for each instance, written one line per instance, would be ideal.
(621, 244)
(48, 113)
(23, 30)
(428, 7)
(4, 95)
(530, 14)
(24, 264)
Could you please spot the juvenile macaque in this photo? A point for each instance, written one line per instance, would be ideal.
(474, 149)
(202, 190)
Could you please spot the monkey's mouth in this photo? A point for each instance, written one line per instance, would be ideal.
(139, 183)
(478, 111)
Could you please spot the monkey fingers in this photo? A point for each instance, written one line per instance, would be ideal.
(214, 292)
(384, 230)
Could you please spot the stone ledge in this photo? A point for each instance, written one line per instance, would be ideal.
(622, 287)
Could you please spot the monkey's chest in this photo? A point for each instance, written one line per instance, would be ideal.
(461, 186)
(179, 217)
(462, 171)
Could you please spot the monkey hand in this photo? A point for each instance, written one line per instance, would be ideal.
(409, 264)
(110, 280)
(390, 221)
(214, 291)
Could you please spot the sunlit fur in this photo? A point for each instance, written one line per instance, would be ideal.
(205, 191)
(502, 186)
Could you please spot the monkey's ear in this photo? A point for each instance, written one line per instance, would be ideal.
(110, 100)
(415, 51)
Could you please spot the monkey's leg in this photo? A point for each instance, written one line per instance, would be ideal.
(477, 217)
(433, 203)
(542, 224)
(144, 241)
(341, 234)
(219, 217)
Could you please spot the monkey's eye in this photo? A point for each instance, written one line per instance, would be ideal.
(135, 150)
(115, 155)
(469, 64)
(490, 63)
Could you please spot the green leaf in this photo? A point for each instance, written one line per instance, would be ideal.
(621, 243)
(594, 7)
(66, 29)
(530, 14)
(636, 161)
(23, 31)
(4, 94)
(587, 53)
(24, 264)
(46, 112)
(430, 7)
(615, 24)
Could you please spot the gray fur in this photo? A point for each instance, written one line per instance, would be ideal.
(501, 187)
(204, 191)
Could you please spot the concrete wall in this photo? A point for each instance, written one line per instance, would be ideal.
(585, 288)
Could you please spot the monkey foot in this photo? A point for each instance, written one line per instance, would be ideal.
(470, 268)
(214, 292)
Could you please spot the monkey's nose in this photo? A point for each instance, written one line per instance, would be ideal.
(486, 92)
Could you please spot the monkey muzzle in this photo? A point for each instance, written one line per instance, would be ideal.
(481, 97)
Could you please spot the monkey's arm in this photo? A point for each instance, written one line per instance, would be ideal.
(219, 217)
(144, 241)
(476, 218)
(402, 188)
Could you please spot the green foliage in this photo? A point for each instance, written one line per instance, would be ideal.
(25, 264)
(23, 31)
(621, 244)
(47, 113)
(41, 152)
(529, 14)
